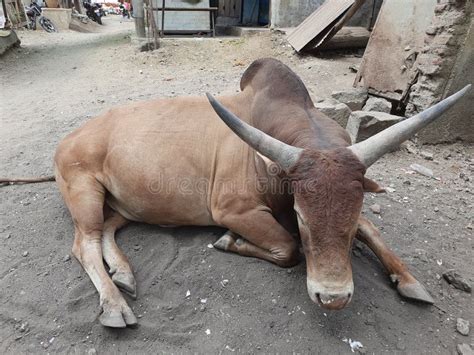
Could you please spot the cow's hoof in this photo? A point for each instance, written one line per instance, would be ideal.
(414, 291)
(117, 317)
(126, 282)
(224, 242)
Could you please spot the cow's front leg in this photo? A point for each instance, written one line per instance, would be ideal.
(407, 285)
(256, 233)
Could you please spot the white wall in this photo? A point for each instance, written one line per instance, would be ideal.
(174, 20)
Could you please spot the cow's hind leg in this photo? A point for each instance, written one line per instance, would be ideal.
(119, 266)
(407, 285)
(256, 233)
(84, 196)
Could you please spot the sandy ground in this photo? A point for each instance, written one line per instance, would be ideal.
(55, 82)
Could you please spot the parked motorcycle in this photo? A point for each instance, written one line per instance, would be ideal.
(34, 14)
(93, 11)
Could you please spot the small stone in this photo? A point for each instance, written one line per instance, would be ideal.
(171, 318)
(377, 104)
(140, 71)
(462, 326)
(431, 31)
(464, 176)
(426, 155)
(464, 349)
(25, 253)
(7, 236)
(375, 208)
(224, 282)
(400, 345)
(420, 169)
(453, 278)
(23, 327)
(436, 209)
(67, 258)
(353, 68)
(136, 247)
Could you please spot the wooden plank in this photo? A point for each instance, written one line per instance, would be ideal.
(396, 39)
(318, 22)
(347, 37)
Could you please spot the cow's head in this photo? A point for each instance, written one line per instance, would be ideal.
(328, 188)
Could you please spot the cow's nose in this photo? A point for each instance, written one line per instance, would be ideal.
(334, 301)
(330, 295)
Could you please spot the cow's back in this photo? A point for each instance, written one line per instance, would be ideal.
(159, 160)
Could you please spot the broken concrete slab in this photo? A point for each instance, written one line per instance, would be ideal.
(386, 68)
(334, 109)
(378, 104)
(364, 124)
(354, 98)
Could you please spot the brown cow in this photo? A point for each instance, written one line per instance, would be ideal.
(173, 162)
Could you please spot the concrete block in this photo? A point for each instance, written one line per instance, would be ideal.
(363, 124)
(354, 98)
(334, 109)
(378, 104)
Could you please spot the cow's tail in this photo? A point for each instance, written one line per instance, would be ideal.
(26, 180)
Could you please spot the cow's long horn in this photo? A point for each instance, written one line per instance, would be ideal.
(376, 146)
(275, 150)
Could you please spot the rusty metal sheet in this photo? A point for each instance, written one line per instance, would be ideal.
(396, 40)
(318, 24)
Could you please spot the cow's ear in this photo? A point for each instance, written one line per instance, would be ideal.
(271, 167)
(372, 186)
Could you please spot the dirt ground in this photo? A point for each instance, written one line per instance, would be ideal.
(55, 82)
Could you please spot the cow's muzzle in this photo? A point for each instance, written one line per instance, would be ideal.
(330, 296)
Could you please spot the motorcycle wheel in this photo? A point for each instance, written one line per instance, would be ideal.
(99, 20)
(47, 25)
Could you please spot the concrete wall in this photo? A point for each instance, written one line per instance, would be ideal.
(290, 13)
(445, 65)
(181, 20)
(61, 18)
